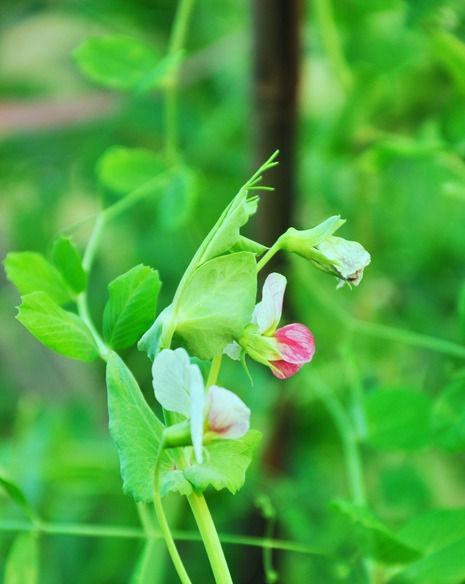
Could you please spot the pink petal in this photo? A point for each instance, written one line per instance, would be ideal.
(296, 343)
(227, 414)
(283, 369)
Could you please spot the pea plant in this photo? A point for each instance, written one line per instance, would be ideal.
(203, 438)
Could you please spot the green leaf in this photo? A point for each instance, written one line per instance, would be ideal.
(174, 481)
(373, 536)
(66, 258)
(178, 199)
(225, 464)
(31, 272)
(461, 310)
(135, 429)
(22, 563)
(18, 497)
(246, 244)
(216, 303)
(448, 419)
(58, 329)
(434, 529)
(126, 169)
(116, 61)
(226, 232)
(398, 419)
(131, 306)
(444, 566)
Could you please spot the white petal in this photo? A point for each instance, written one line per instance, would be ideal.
(197, 413)
(267, 313)
(171, 380)
(233, 351)
(227, 414)
(349, 258)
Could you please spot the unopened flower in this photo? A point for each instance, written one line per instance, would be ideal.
(336, 255)
(284, 350)
(215, 413)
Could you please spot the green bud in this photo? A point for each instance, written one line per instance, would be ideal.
(344, 259)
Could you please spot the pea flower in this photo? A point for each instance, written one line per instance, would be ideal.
(210, 414)
(284, 350)
(343, 258)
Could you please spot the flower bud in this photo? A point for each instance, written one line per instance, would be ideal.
(335, 255)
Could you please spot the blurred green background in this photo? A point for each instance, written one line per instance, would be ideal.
(381, 140)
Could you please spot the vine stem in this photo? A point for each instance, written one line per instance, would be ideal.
(210, 539)
(176, 44)
(163, 523)
(202, 514)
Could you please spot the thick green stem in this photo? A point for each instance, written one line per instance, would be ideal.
(210, 539)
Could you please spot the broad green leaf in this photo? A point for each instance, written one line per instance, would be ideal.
(135, 429)
(225, 464)
(444, 566)
(448, 419)
(22, 563)
(126, 169)
(216, 303)
(178, 199)
(398, 419)
(17, 496)
(116, 61)
(375, 537)
(434, 529)
(174, 481)
(66, 258)
(131, 306)
(58, 329)
(31, 272)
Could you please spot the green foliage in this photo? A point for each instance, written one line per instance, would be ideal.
(216, 303)
(58, 329)
(120, 62)
(461, 311)
(178, 198)
(449, 417)
(66, 258)
(31, 272)
(434, 529)
(225, 464)
(131, 306)
(375, 537)
(445, 566)
(22, 563)
(126, 169)
(17, 496)
(135, 429)
(398, 419)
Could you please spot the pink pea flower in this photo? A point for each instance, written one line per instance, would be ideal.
(284, 350)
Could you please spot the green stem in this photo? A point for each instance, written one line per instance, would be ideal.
(111, 531)
(210, 538)
(331, 40)
(163, 523)
(176, 44)
(268, 255)
(214, 370)
(83, 310)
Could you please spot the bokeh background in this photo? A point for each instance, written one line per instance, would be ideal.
(378, 128)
